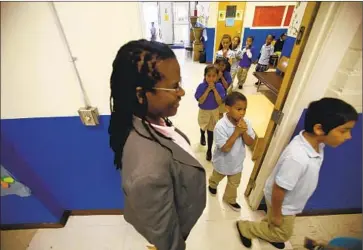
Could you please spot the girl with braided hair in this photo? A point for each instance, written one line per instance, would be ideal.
(163, 183)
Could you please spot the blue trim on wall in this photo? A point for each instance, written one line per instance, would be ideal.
(29, 210)
(21, 170)
(74, 162)
(288, 46)
(209, 44)
(260, 37)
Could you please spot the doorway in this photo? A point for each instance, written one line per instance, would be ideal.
(150, 12)
(171, 20)
(181, 14)
(303, 32)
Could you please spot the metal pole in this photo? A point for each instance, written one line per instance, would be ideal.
(72, 58)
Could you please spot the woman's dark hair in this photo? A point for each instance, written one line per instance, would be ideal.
(233, 97)
(209, 68)
(330, 113)
(225, 61)
(224, 37)
(134, 66)
(283, 34)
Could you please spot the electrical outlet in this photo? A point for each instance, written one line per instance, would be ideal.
(89, 116)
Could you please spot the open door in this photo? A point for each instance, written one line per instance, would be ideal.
(301, 39)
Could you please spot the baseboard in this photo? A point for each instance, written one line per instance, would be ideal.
(97, 212)
(63, 220)
(331, 212)
(321, 212)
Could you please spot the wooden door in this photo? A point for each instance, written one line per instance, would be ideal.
(222, 28)
(306, 24)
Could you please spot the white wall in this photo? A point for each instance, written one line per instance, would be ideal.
(347, 81)
(37, 77)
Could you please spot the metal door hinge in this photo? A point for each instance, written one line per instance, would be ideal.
(277, 116)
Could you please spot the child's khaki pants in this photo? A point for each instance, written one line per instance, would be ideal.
(242, 75)
(230, 194)
(266, 230)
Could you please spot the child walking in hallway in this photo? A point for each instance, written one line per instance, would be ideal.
(236, 41)
(231, 134)
(266, 52)
(224, 77)
(246, 55)
(294, 179)
(210, 94)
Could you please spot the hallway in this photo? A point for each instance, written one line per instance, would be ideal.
(215, 229)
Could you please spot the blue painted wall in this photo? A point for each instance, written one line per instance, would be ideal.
(74, 162)
(209, 44)
(260, 37)
(17, 210)
(288, 46)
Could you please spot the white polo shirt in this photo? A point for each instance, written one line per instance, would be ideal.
(229, 163)
(297, 171)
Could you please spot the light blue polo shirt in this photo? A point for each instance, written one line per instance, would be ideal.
(266, 52)
(297, 171)
(230, 163)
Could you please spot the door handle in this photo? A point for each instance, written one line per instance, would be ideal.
(300, 35)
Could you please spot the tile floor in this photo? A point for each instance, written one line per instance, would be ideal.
(215, 229)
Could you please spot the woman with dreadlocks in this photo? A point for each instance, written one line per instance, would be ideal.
(163, 183)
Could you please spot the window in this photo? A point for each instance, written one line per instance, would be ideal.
(231, 11)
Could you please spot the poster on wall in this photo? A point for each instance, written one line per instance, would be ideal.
(239, 15)
(296, 19)
(229, 22)
(221, 15)
(10, 186)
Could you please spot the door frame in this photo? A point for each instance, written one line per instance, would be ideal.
(333, 19)
(308, 19)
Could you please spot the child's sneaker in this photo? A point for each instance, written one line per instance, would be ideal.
(236, 207)
(212, 190)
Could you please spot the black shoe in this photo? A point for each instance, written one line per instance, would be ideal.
(245, 241)
(236, 207)
(202, 141)
(209, 156)
(256, 83)
(240, 87)
(212, 190)
(278, 245)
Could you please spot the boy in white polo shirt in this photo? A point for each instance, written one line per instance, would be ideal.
(231, 134)
(295, 177)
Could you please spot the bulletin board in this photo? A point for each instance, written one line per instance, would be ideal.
(290, 10)
(267, 16)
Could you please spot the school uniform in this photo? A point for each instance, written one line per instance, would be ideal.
(263, 63)
(297, 171)
(228, 164)
(227, 76)
(244, 64)
(208, 111)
